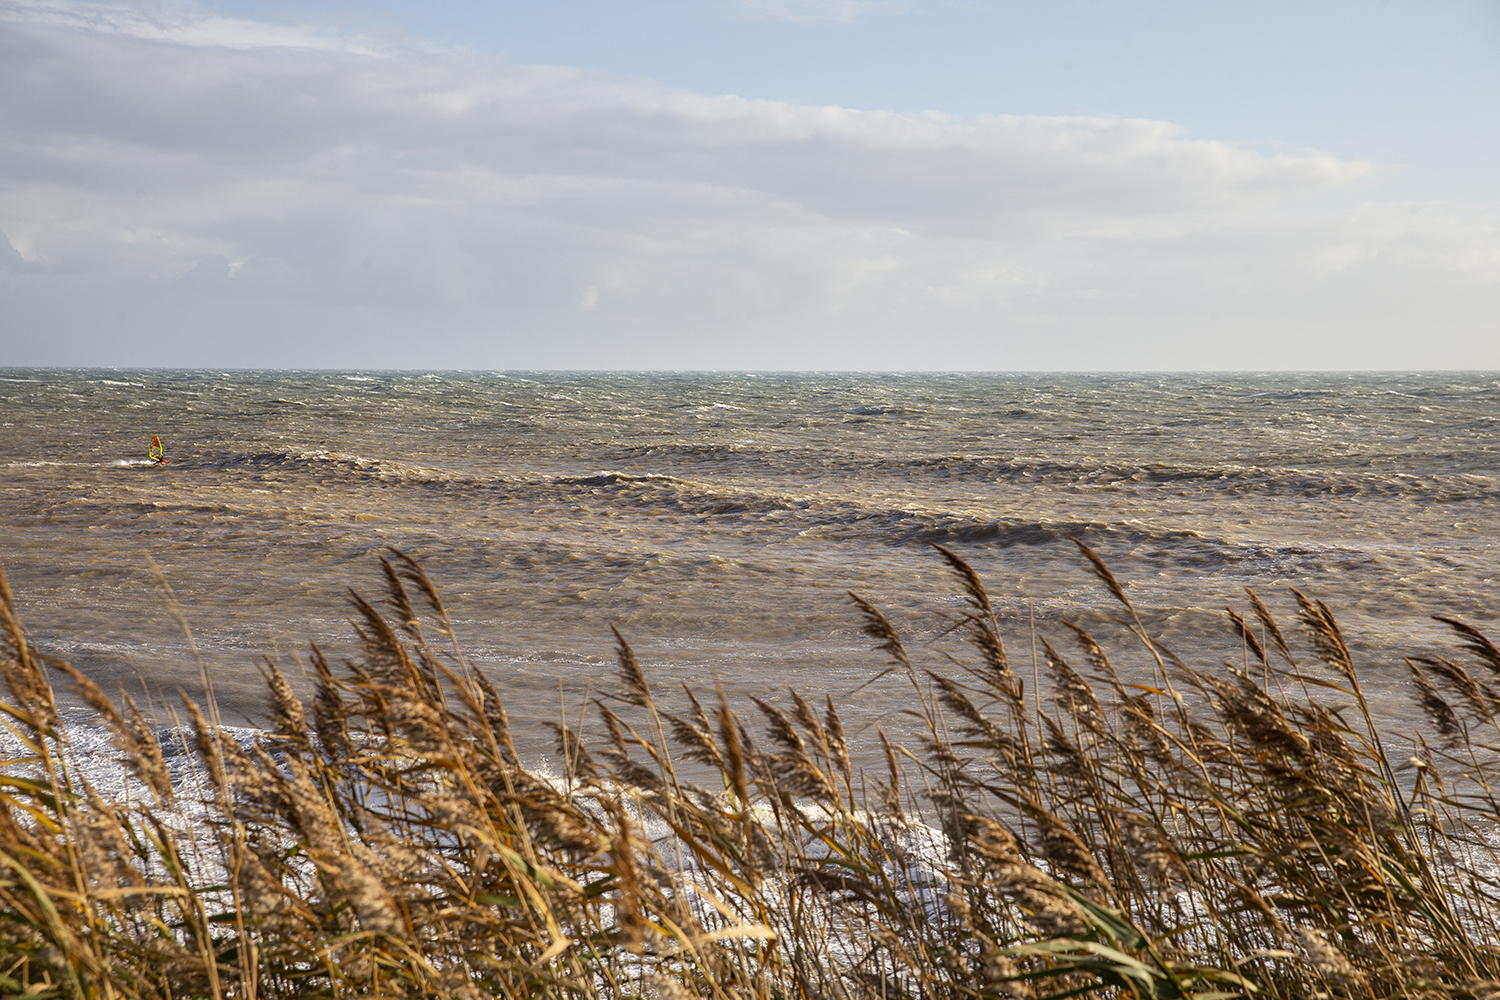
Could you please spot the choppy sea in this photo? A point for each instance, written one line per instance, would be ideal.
(719, 519)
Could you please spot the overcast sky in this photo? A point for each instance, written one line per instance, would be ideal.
(751, 184)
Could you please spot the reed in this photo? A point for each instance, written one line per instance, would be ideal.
(1214, 831)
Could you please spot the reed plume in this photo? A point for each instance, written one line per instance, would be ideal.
(381, 837)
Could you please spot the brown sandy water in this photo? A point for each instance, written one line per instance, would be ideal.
(719, 519)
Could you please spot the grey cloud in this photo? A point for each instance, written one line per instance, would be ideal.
(10, 257)
(210, 272)
(392, 119)
(181, 164)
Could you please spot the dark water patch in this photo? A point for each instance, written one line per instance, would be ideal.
(619, 478)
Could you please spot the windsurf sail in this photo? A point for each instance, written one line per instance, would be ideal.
(155, 453)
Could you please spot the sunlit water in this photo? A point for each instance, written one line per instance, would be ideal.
(719, 520)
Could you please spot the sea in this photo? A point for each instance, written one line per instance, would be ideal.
(721, 520)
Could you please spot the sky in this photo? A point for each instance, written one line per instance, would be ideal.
(751, 184)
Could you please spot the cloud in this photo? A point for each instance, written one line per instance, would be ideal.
(181, 23)
(818, 11)
(258, 195)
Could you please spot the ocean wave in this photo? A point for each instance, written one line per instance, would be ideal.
(1231, 479)
(831, 516)
(1007, 533)
(882, 410)
(833, 513)
(893, 501)
(745, 454)
(92, 752)
(324, 463)
(616, 478)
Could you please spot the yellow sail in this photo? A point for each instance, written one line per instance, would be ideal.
(155, 453)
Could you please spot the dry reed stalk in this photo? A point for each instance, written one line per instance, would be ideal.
(1475, 642)
(1072, 693)
(1438, 710)
(1243, 844)
(1268, 622)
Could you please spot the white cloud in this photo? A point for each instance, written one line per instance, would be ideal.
(818, 11)
(182, 23)
(250, 194)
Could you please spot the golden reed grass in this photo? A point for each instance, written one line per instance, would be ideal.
(1216, 832)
